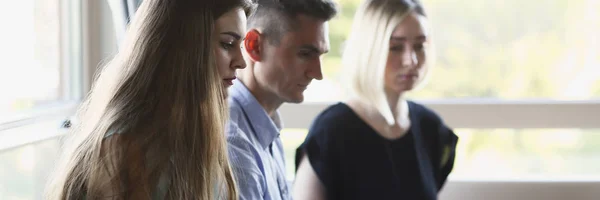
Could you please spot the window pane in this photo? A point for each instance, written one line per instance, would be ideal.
(25, 170)
(30, 58)
(291, 138)
(508, 153)
(512, 49)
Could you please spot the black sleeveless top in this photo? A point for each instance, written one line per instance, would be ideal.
(354, 162)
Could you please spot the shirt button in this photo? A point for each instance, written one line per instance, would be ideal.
(284, 193)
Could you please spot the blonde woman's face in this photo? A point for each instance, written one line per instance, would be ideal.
(407, 55)
(229, 30)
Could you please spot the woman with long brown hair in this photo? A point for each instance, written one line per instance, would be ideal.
(152, 126)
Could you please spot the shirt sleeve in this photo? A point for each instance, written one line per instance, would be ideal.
(246, 168)
(448, 141)
(321, 154)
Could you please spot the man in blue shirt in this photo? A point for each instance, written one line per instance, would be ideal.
(282, 50)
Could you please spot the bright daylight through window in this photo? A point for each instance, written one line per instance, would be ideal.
(30, 65)
(33, 78)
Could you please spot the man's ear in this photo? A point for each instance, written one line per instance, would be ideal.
(252, 45)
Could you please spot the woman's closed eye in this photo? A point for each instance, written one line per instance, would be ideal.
(227, 45)
(229, 40)
(419, 46)
(415, 47)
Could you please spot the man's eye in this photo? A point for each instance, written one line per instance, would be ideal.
(396, 48)
(305, 54)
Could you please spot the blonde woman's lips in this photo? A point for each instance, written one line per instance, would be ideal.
(409, 76)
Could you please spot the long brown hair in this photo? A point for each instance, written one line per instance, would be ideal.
(162, 100)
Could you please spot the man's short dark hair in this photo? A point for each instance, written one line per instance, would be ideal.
(276, 17)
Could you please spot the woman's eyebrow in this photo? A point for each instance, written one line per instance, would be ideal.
(232, 34)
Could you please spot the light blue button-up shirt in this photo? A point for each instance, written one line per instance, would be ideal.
(255, 149)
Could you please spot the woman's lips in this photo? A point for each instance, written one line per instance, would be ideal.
(229, 81)
(409, 76)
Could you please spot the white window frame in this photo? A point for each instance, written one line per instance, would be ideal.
(86, 41)
(76, 64)
(481, 114)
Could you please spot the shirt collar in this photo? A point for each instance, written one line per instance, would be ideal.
(266, 128)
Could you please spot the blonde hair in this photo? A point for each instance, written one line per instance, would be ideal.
(365, 53)
(162, 97)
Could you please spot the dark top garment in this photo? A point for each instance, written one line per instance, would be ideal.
(354, 162)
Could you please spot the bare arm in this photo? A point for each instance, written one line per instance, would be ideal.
(307, 185)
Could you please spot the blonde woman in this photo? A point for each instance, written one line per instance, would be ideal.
(152, 126)
(377, 144)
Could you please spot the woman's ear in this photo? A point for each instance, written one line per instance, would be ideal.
(252, 45)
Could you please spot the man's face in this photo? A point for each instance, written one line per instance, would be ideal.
(287, 68)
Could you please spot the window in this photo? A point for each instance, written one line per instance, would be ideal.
(505, 50)
(25, 169)
(527, 154)
(41, 75)
(38, 59)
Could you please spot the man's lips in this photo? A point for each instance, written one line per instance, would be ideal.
(303, 85)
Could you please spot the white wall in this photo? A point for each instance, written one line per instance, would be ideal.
(99, 41)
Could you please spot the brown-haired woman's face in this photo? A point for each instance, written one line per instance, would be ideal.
(407, 55)
(230, 28)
